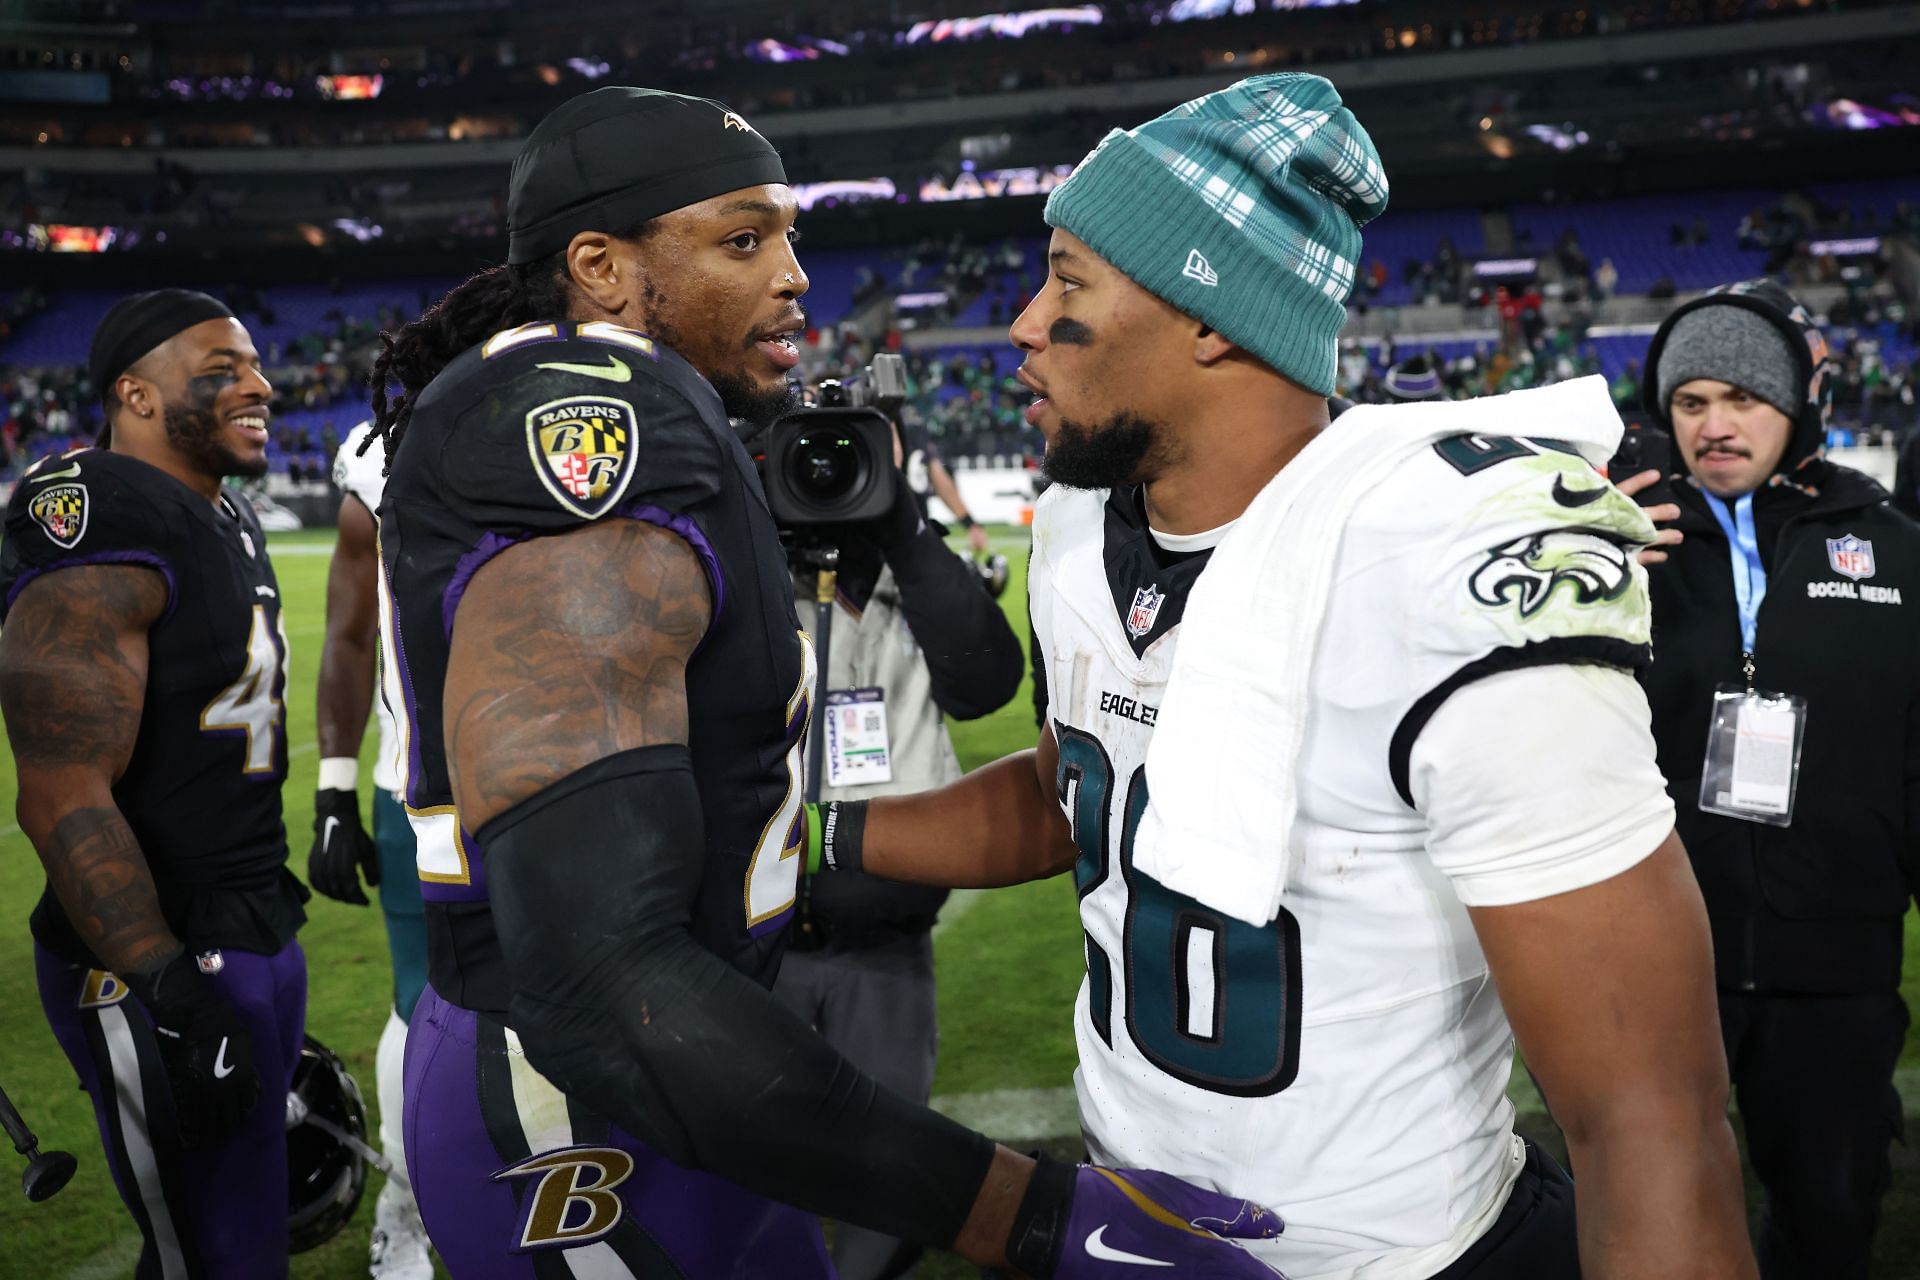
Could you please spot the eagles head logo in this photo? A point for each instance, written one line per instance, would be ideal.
(61, 510)
(582, 450)
(733, 121)
(1529, 569)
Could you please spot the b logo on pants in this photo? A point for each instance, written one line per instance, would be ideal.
(101, 989)
(574, 1202)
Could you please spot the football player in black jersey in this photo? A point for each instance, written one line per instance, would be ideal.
(141, 672)
(605, 696)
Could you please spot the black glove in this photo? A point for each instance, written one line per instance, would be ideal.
(902, 521)
(339, 842)
(205, 1048)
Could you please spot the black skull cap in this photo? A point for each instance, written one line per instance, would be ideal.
(612, 158)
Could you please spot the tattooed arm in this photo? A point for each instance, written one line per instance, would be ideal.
(552, 669)
(73, 678)
(566, 721)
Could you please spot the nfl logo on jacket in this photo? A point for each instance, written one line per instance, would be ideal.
(1851, 557)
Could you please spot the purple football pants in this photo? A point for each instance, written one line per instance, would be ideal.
(517, 1181)
(218, 1213)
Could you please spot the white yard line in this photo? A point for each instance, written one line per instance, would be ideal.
(1015, 1115)
(958, 903)
(111, 1263)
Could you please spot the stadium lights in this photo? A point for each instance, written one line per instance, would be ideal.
(826, 195)
(991, 184)
(1006, 26)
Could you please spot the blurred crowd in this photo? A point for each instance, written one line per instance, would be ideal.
(1542, 329)
(52, 409)
(1875, 396)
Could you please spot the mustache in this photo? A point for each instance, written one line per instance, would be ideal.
(1725, 450)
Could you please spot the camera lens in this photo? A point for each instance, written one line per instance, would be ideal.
(825, 465)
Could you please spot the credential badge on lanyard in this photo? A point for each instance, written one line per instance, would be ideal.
(1752, 765)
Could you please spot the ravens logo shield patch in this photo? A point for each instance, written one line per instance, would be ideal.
(62, 511)
(582, 449)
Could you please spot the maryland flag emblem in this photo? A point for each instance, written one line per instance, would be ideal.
(582, 449)
(61, 510)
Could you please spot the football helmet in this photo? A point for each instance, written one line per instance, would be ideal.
(326, 1147)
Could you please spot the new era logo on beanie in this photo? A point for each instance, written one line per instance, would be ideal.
(1243, 209)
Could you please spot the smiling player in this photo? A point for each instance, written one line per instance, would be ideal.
(141, 673)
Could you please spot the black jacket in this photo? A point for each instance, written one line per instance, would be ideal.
(1816, 906)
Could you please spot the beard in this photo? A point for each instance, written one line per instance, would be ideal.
(1113, 453)
(752, 402)
(740, 396)
(195, 434)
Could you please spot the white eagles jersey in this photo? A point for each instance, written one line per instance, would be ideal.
(363, 476)
(1347, 1063)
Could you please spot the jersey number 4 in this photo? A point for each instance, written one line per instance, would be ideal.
(250, 706)
(1209, 1000)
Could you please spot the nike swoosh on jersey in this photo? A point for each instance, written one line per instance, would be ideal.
(326, 832)
(61, 474)
(221, 1067)
(1097, 1247)
(1575, 497)
(615, 370)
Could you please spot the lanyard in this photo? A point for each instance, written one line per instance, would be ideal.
(1749, 576)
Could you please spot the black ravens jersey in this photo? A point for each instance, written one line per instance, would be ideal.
(539, 430)
(202, 790)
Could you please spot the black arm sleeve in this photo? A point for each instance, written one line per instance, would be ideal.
(972, 654)
(592, 883)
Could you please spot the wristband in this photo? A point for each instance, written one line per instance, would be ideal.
(339, 773)
(815, 819)
(967, 522)
(1040, 1224)
(843, 829)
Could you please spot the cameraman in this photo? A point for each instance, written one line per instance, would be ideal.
(914, 634)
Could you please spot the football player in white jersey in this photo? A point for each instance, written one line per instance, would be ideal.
(1419, 814)
(342, 849)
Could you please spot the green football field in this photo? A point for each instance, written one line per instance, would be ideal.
(1009, 964)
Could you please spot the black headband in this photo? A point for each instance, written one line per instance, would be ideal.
(138, 324)
(613, 158)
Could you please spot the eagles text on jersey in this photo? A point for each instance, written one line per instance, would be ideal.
(1346, 1062)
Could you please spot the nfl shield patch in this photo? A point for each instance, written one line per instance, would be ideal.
(1850, 557)
(1146, 607)
(582, 450)
(61, 510)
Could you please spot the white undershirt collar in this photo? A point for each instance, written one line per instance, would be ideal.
(1184, 542)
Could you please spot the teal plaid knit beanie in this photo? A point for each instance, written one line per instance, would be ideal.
(1243, 210)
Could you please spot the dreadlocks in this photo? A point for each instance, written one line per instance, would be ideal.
(502, 297)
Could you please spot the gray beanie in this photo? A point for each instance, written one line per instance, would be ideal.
(1734, 345)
